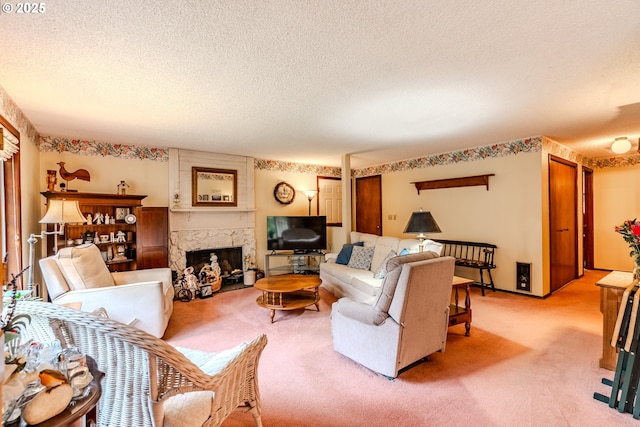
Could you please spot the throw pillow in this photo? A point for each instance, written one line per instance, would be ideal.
(382, 270)
(345, 253)
(361, 257)
(405, 251)
(83, 268)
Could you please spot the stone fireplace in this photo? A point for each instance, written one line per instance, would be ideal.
(210, 229)
(234, 246)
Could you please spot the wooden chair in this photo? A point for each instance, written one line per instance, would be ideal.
(147, 381)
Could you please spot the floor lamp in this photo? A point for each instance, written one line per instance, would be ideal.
(310, 195)
(58, 212)
(422, 222)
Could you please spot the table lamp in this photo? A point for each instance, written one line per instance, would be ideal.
(422, 222)
(58, 212)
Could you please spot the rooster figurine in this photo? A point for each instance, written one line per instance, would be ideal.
(82, 174)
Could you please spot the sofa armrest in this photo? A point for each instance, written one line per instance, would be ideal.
(358, 311)
(138, 304)
(330, 257)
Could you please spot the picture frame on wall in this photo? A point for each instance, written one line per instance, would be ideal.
(121, 213)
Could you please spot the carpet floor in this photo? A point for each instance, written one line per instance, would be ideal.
(528, 362)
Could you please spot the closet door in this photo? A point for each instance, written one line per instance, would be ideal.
(152, 238)
(563, 223)
(369, 205)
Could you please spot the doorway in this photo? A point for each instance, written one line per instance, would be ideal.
(369, 205)
(587, 218)
(563, 232)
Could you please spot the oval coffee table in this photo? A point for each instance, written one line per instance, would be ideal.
(288, 292)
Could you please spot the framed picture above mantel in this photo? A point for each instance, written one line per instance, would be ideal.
(214, 187)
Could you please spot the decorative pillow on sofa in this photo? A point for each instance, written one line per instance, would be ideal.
(345, 253)
(382, 270)
(405, 251)
(361, 258)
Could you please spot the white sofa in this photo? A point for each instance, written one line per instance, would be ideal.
(142, 298)
(362, 285)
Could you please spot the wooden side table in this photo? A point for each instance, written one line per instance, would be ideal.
(459, 314)
(612, 287)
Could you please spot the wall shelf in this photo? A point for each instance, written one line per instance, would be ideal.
(467, 181)
(192, 210)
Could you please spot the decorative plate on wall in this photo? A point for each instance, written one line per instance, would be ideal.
(284, 193)
(130, 219)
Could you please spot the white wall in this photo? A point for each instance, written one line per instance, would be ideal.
(143, 176)
(615, 200)
(266, 205)
(507, 215)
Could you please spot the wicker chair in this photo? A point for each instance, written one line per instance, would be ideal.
(147, 381)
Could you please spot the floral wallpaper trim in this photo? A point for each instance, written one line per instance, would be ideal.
(16, 117)
(564, 152)
(509, 148)
(95, 148)
(615, 162)
(277, 165)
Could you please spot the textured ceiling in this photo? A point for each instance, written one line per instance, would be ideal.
(310, 81)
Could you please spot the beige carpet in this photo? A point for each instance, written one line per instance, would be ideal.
(528, 362)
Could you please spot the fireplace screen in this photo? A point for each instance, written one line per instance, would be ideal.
(229, 259)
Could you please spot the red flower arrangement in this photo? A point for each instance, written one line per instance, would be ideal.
(630, 231)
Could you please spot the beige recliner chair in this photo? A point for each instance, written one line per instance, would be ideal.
(407, 322)
(142, 298)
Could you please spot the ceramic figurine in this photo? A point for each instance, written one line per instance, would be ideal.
(191, 281)
(51, 180)
(122, 188)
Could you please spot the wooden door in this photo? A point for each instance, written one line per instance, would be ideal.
(152, 237)
(369, 204)
(563, 231)
(587, 218)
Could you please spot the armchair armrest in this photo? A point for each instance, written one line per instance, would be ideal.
(122, 301)
(149, 275)
(232, 373)
(360, 312)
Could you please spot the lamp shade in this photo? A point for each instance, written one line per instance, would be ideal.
(621, 145)
(422, 222)
(63, 212)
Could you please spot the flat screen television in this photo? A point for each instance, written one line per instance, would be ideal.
(297, 233)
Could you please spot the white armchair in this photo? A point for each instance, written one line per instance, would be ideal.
(142, 298)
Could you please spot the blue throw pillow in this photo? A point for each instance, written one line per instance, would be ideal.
(345, 253)
(405, 251)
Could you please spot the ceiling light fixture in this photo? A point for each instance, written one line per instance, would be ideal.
(621, 145)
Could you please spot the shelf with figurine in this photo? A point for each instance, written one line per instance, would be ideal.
(111, 224)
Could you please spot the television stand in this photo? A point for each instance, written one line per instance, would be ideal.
(292, 263)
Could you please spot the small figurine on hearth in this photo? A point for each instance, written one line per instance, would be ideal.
(98, 218)
(210, 274)
(191, 281)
